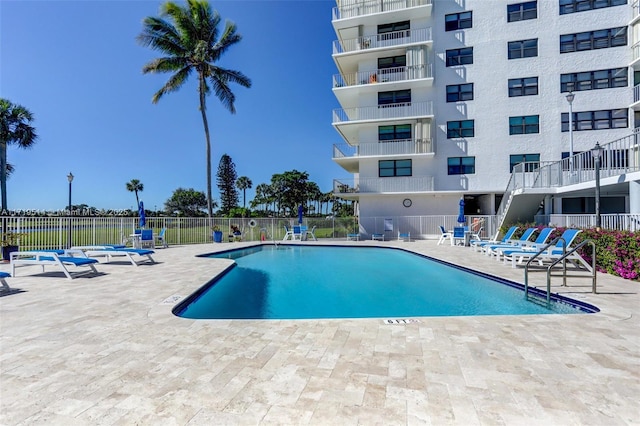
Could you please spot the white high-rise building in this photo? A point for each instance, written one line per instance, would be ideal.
(442, 100)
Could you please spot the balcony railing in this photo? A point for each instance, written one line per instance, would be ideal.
(395, 38)
(353, 8)
(383, 112)
(635, 50)
(399, 184)
(394, 147)
(636, 9)
(385, 75)
(636, 93)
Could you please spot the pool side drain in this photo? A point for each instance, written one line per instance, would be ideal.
(402, 321)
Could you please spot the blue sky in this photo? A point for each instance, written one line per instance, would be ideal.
(77, 67)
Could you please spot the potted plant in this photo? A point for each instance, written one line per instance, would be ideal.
(10, 243)
(217, 234)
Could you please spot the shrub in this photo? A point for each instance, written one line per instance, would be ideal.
(617, 252)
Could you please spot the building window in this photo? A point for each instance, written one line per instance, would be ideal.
(523, 48)
(457, 21)
(591, 40)
(592, 80)
(392, 62)
(596, 120)
(394, 132)
(524, 124)
(390, 168)
(462, 56)
(527, 86)
(460, 92)
(460, 129)
(573, 6)
(394, 98)
(394, 30)
(532, 162)
(461, 165)
(522, 11)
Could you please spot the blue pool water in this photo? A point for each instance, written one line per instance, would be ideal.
(304, 282)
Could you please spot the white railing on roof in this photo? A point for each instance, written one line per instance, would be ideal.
(353, 8)
(397, 184)
(391, 39)
(385, 75)
(383, 112)
(394, 147)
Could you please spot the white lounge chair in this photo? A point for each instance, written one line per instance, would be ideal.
(489, 248)
(161, 238)
(57, 258)
(377, 237)
(444, 235)
(404, 236)
(110, 252)
(479, 244)
(538, 243)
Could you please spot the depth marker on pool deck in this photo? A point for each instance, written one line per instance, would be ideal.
(402, 321)
(171, 299)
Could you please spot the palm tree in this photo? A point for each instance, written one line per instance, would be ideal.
(134, 186)
(243, 183)
(15, 128)
(191, 42)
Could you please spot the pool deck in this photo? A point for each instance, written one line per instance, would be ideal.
(106, 350)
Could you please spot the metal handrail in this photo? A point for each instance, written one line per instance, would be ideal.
(535, 256)
(564, 266)
(562, 259)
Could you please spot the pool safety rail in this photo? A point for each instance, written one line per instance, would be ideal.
(563, 259)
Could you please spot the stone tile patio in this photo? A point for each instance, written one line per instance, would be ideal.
(106, 350)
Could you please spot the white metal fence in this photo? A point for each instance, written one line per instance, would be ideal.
(39, 233)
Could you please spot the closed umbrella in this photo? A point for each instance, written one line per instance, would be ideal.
(461, 218)
(143, 219)
(300, 214)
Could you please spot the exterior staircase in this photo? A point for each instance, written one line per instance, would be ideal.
(530, 182)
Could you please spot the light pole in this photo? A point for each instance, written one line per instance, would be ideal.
(570, 97)
(596, 151)
(70, 179)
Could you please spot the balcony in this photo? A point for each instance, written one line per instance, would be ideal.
(382, 41)
(384, 148)
(383, 112)
(385, 75)
(635, 55)
(353, 9)
(636, 98)
(351, 188)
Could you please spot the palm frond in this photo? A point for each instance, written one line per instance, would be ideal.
(166, 64)
(174, 83)
(161, 35)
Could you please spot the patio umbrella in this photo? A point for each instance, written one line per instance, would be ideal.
(461, 218)
(300, 214)
(143, 219)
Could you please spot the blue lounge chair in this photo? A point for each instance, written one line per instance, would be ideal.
(539, 242)
(109, 252)
(147, 239)
(489, 248)
(52, 258)
(563, 244)
(3, 281)
(161, 238)
(479, 244)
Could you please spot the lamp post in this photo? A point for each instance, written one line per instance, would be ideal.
(70, 179)
(596, 151)
(570, 97)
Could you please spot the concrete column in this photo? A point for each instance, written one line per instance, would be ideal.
(634, 197)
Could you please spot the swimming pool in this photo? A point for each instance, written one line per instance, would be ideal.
(311, 282)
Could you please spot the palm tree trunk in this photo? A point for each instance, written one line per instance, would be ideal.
(203, 111)
(3, 176)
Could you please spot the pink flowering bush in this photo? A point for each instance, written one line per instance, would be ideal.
(617, 252)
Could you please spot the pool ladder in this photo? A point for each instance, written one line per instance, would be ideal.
(267, 236)
(562, 259)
